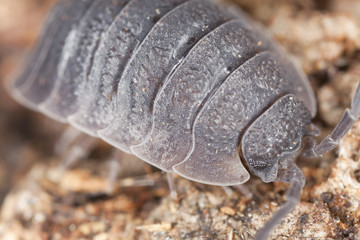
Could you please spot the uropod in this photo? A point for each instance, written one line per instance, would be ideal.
(190, 86)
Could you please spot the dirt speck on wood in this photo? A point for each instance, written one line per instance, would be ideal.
(41, 202)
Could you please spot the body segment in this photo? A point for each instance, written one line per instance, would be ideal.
(158, 56)
(73, 70)
(243, 97)
(40, 82)
(195, 80)
(121, 41)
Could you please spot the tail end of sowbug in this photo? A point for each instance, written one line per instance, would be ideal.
(14, 90)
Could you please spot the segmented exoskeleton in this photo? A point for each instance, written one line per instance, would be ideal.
(189, 86)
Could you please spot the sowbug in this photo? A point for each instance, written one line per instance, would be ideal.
(186, 97)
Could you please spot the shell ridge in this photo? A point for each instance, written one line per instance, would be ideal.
(44, 40)
(51, 105)
(83, 115)
(165, 57)
(163, 125)
(216, 135)
(41, 86)
(39, 56)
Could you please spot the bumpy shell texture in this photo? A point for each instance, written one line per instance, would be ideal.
(174, 82)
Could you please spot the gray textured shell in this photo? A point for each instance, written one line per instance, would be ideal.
(175, 82)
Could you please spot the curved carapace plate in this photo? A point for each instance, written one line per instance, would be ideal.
(161, 52)
(73, 69)
(198, 76)
(61, 40)
(175, 82)
(244, 95)
(120, 44)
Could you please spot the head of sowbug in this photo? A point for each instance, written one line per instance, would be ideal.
(273, 140)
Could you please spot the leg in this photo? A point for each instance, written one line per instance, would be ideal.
(227, 190)
(244, 190)
(295, 177)
(171, 181)
(78, 151)
(143, 181)
(66, 139)
(115, 169)
(331, 141)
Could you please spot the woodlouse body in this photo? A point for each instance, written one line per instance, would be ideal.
(190, 86)
(166, 80)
